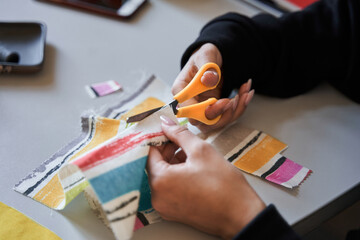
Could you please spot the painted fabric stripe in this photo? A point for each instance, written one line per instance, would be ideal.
(285, 172)
(141, 221)
(241, 150)
(145, 197)
(115, 186)
(43, 183)
(57, 167)
(122, 105)
(122, 205)
(16, 225)
(104, 151)
(122, 220)
(267, 166)
(20, 186)
(298, 178)
(113, 149)
(259, 154)
(119, 181)
(102, 88)
(277, 164)
(52, 193)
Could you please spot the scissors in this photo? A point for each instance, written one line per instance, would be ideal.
(195, 111)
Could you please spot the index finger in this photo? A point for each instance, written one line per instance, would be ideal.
(182, 137)
(184, 77)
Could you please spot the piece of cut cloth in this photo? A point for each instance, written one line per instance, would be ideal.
(112, 157)
(16, 225)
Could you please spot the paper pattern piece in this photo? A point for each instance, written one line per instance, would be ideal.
(112, 156)
(101, 89)
(15, 225)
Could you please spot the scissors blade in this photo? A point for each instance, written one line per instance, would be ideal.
(141, 116)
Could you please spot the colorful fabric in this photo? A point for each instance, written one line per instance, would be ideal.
(43, 183)
(15, 225)
(257, 153)
(102, 89)
(116, 172)
(111, 155)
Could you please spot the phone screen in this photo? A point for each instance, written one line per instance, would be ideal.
(114, 8)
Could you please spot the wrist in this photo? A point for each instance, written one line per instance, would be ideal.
(241, 212)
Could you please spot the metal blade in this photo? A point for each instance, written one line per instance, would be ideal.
(173, 105)
(141, 116)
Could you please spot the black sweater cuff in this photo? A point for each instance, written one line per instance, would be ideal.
(237, 38)
(269, 224)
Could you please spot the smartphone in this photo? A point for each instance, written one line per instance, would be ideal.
(113, 8)
(22, 46)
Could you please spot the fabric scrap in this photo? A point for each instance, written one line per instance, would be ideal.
(116, 172)
(258, 153)
(103, 88)
(43, 183)
(108, 161)
(16, 225)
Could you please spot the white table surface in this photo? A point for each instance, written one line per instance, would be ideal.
(39, 113)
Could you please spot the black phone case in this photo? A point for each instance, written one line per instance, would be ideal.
(22, 46)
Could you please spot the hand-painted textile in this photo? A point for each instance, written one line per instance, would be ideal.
(101, 89)
(112, 157)
(15, 225)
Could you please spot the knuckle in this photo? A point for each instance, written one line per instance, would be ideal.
(200, 148)
(193, 69)
(174, 89)
(180, 130)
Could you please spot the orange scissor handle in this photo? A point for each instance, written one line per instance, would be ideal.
(196, 87)
(197, 111)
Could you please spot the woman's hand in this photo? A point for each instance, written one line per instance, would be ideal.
(231, 109)
(197, 186)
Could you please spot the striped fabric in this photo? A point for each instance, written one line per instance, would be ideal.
(259, 154)
(16, 225)
(110, 156)
(43, 183)
(116, 173)
(103, 88)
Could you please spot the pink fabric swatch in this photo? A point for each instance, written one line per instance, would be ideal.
(285, 172)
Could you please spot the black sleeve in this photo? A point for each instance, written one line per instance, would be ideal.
(292, 54)
(267, 225)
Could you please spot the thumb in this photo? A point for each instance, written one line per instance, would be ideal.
(155, 162)
(180, 135)
(210, 78)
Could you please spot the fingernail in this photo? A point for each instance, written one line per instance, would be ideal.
(167, 121)
(210, 81)
(236, 101)
(249, 97)
(249, 83)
